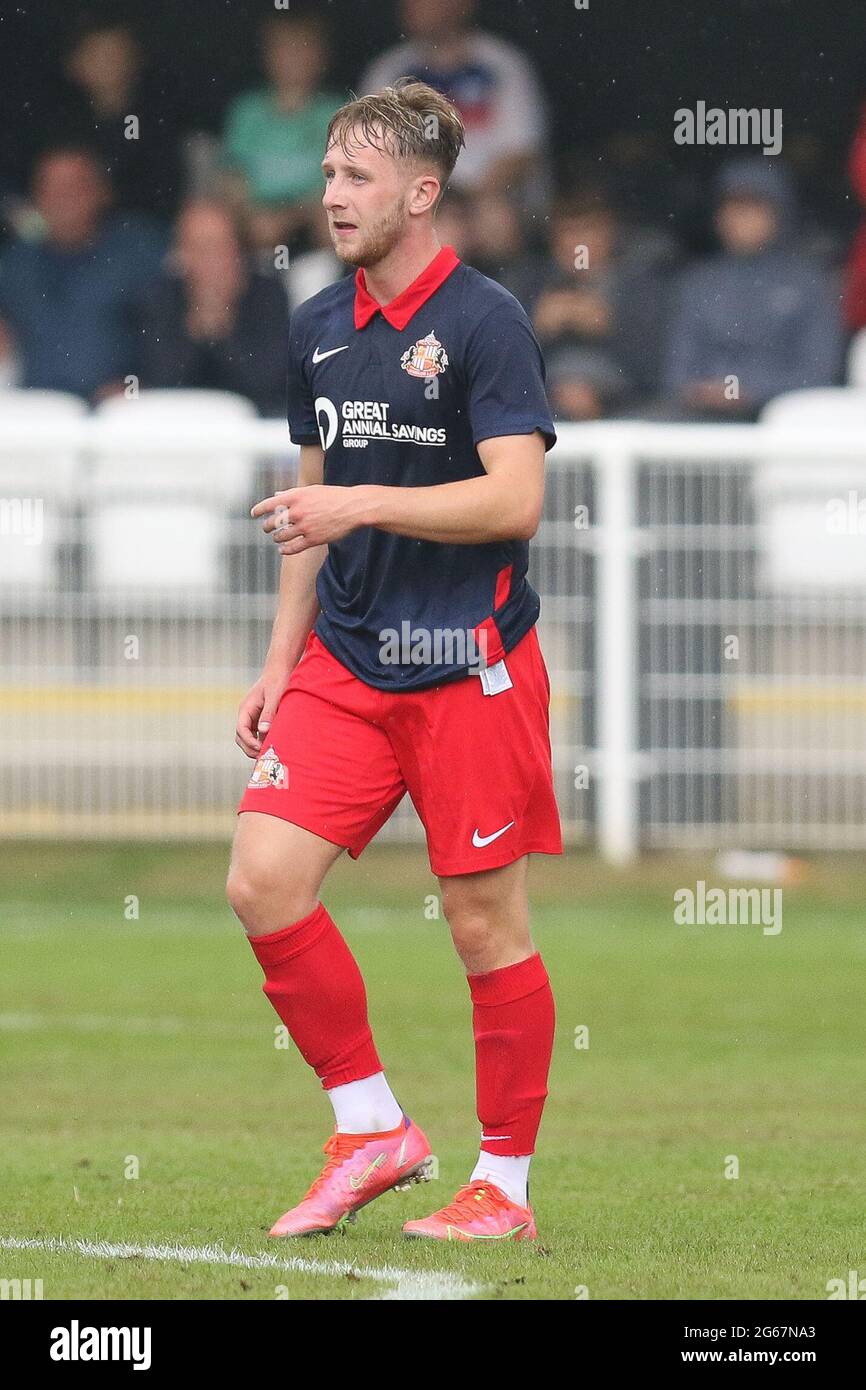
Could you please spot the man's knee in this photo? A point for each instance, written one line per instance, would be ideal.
(471, 901)
(267, 893)
(276, 872)
(472, 912)
(487, 914)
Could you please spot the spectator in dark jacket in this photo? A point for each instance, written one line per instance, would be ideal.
(601, 291)
(211, 322)
(760, 317)
(69, 296)
(118, 109)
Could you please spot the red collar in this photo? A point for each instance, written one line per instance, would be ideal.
(409, 301)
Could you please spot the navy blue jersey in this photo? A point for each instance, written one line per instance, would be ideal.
(400, 396)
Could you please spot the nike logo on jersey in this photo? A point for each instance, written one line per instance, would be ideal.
(479, 841)
(319, 356)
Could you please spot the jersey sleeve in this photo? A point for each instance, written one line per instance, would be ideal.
(505, 377)
(300, 409)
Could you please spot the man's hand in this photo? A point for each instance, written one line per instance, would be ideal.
(302, 517)
(258, 708)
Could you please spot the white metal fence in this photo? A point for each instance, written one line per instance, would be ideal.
(703, 620)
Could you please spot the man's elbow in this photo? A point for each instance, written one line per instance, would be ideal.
(525, 523)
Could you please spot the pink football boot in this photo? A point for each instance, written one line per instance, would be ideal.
(480, 1211)
(359, 1169)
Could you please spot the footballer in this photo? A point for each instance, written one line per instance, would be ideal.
(404, 658)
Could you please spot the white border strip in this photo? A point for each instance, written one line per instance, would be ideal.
(404, 1284)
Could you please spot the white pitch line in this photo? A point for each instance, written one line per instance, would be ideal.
(124, 1023)
(404, 1284)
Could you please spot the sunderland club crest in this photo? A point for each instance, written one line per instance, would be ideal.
(426, 359)
(269, 772)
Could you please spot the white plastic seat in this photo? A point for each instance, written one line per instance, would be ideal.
(811, 540)
(35, 485)
(36, 413)
(123, 462)
(159, 515)
(836, 407)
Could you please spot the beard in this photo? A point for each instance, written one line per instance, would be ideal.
(377, 241)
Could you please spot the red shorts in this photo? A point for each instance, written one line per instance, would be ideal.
(340, 755)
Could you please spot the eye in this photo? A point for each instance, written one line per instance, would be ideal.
(358, 178)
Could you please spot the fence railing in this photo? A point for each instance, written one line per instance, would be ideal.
(703, 620)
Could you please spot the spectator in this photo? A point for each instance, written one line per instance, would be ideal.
(758, 318)
(114, 108)
(210, 321)
(69, 297)
(274, 137)
(497, 244)
(490, 82)
(583, 384)
(601, 293)
(454, 224)
(486, 230)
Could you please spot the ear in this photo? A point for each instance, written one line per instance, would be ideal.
(425, 192)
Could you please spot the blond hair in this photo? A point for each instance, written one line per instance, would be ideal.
(410, 121)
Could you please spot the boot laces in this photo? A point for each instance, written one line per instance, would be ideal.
(475, 1199)
(338, 1147)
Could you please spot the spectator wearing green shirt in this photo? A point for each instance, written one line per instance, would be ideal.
(274, 136)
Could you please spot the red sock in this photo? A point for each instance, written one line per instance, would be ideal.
(513, 1019)
(313, 981)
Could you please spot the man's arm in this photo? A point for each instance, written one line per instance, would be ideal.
(297, 610)
(503, 504)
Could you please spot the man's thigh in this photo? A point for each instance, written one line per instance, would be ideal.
(478, 767)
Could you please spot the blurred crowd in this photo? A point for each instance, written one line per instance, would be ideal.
(141, 251)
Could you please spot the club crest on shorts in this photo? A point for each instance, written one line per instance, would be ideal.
(269, 772)
(426, 359)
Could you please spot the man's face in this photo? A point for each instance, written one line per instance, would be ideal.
(594, 229)
(424, 19)
(105, 51)
(293, 56)
(746, 225)
(368, 195)
(206, 246)
(71, 195)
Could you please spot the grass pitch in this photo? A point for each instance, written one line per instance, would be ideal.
(150, 1130)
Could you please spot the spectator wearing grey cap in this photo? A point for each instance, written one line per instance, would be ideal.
(759, 317)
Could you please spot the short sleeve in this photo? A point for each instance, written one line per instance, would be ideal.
(300, 409)
(505, 377)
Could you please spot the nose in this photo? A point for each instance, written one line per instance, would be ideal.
(332, 197)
